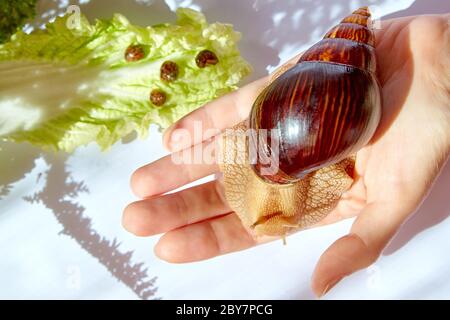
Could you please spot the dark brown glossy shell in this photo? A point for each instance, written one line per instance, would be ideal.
(326, 107)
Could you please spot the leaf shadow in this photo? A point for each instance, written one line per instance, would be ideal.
(59, 195)
(15, 162)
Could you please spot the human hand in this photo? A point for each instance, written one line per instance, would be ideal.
(392, 174)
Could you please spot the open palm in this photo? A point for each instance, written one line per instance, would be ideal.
(392, 173)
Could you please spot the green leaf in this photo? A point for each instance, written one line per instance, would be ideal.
(70, 84)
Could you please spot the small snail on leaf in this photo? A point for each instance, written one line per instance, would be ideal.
(319, 113)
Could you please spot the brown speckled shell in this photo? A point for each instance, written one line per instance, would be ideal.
(327, 106)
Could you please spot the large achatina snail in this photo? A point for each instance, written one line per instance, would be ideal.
(325, 108)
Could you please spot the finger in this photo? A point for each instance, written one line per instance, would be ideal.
(175, 170)
(161, 214)
(209, 120)
(370, 233)
(350, 204)
(204, 240)
(284, 67)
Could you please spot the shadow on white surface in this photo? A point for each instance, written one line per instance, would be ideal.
(18, 160)
(59, 195)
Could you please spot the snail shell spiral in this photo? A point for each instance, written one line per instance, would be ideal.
(325, 108)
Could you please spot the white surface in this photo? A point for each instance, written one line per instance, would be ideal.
(36, 261)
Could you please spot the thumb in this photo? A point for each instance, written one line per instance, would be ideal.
(370, 233)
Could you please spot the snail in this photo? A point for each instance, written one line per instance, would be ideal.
(319, 113)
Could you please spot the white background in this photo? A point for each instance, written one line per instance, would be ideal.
(60, 216)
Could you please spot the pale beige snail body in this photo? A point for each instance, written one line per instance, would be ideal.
(333, 96)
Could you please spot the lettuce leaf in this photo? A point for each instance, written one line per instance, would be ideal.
(70, 84)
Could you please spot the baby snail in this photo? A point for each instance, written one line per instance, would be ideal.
(325, 108)
(169, 71)
(157, 97)
(206, 58)
(134, 52)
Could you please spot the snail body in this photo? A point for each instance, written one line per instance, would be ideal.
(325, 108)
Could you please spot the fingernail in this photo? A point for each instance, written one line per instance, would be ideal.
(330, 286)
